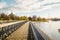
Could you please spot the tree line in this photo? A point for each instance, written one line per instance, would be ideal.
(12, 16)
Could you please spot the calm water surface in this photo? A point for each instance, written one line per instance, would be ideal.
(50, 28)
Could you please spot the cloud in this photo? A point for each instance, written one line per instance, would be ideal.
(35, 5)
(30, 6)
(3, 4)
(25, 2)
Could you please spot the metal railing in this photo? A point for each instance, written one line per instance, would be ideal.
(37, 35)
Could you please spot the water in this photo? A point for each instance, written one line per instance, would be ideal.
(51, 28)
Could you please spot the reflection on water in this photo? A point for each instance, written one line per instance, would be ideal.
(50, 28)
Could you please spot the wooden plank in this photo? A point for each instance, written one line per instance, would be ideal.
(20, 34)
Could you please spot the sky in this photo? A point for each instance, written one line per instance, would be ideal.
(43, 8)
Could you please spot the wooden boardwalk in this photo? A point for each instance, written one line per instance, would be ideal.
(20, 34)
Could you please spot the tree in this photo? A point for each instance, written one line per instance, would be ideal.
(44, 19)
(23, 18)
(4, 17)
(17, 17)
(34, 18)
(39, 19)
(12, 16)
(30, 18)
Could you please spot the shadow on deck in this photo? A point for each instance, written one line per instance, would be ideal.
(30, 33)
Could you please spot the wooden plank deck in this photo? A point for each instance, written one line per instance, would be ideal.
(20, 34)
